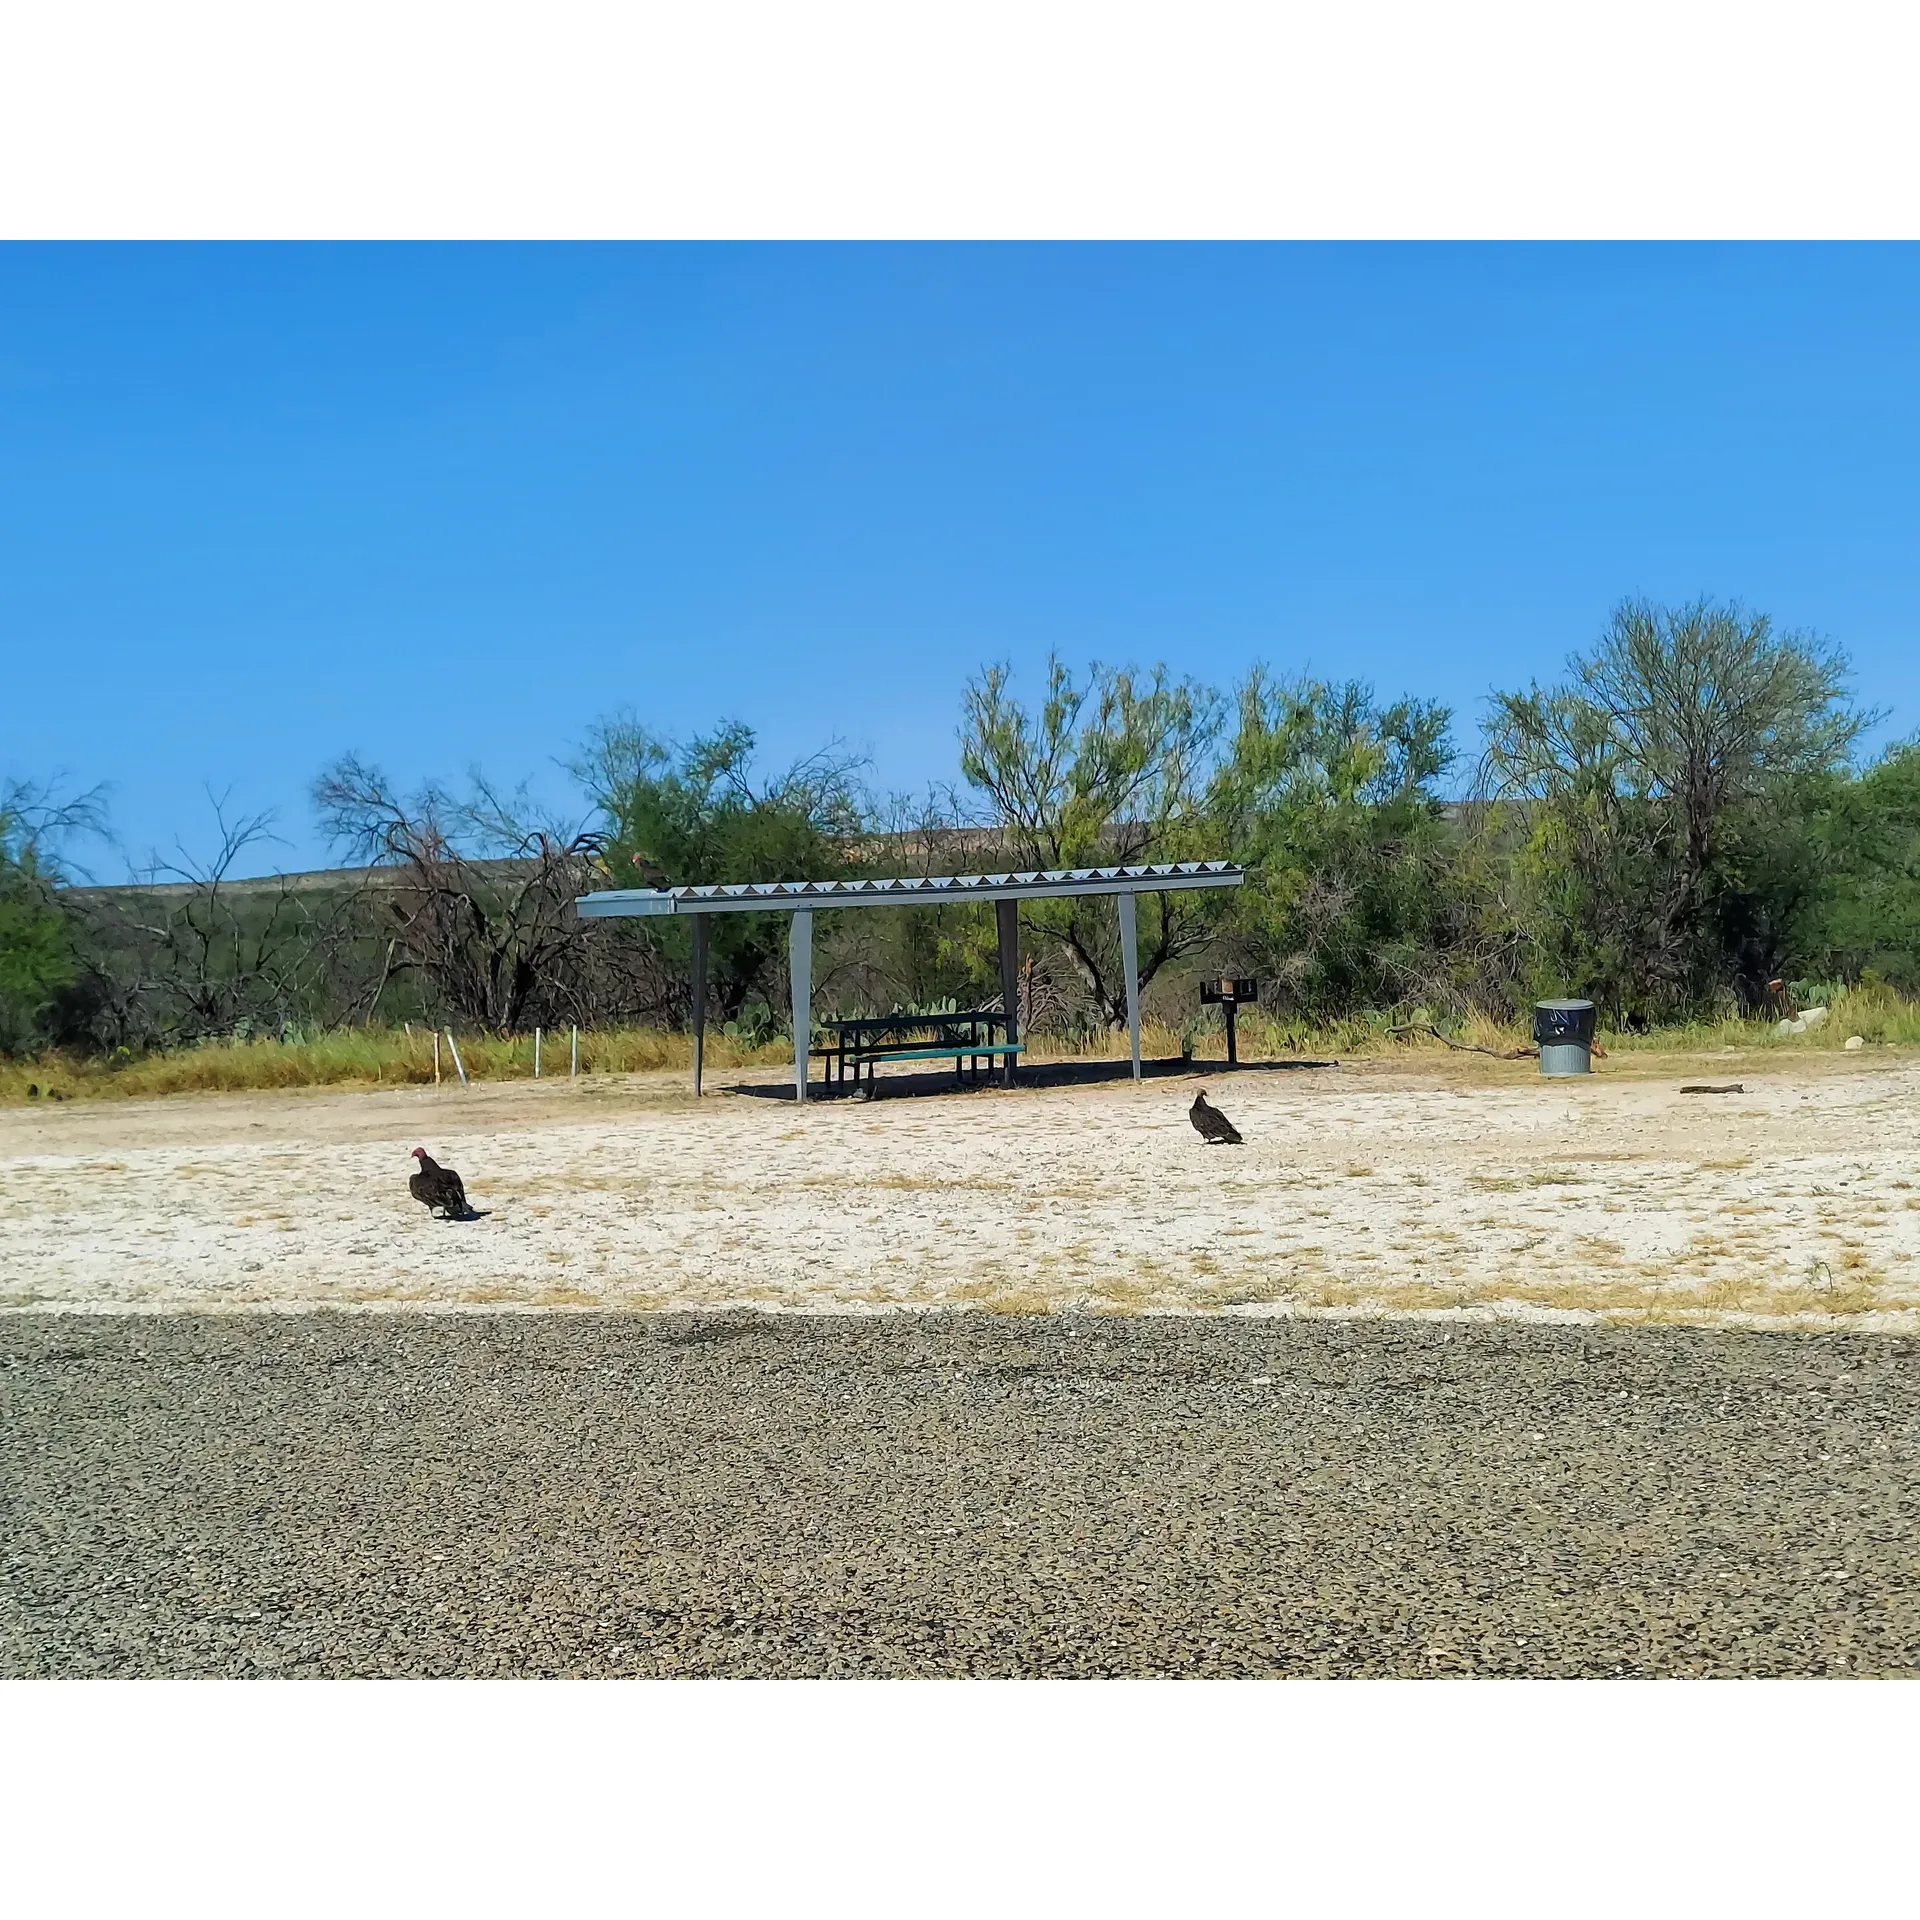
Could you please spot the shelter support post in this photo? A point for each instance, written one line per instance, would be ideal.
(1130, 965)
(699, 998)
(1006, 914)
(800, 972)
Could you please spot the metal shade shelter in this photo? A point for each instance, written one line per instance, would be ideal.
(802, 898)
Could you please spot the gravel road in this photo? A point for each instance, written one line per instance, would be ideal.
(930, 1495)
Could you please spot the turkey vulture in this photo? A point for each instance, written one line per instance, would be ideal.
(653, 874)
(438, 1188)
(1211, 1124)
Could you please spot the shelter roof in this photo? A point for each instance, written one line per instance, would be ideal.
(794, 896)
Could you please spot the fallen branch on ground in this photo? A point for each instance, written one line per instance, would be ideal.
(1467, 1046)
(1493, 1053)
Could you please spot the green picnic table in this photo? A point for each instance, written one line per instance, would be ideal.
(967, 1039)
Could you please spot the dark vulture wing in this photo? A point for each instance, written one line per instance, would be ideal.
(438, 1186)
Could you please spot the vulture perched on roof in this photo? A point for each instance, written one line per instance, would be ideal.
(438, 1188)
(1211, 1124)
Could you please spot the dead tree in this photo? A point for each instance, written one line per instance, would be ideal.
(477, 897)
(186, 951)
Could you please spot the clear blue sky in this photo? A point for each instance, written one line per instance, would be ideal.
(446, 505)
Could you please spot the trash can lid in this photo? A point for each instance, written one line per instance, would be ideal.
(1562, 1006)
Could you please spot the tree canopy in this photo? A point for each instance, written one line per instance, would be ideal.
(1677, 820)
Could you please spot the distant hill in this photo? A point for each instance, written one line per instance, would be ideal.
(322, 880)
(922, 850)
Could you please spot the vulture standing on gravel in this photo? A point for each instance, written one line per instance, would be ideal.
(1211, 1124)
(438, 1188)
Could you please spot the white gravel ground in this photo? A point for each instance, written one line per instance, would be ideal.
(1461, 1185)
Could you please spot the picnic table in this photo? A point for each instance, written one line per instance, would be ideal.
(967, 1039)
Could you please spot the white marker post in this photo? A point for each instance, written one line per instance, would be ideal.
(436, 1056)
(536, 1053)
(800, 971)
(574, 1070)
(455, 1051)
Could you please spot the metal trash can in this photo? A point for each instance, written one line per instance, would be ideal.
(1563, 1031)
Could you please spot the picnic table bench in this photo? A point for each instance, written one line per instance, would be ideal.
(966, 1039)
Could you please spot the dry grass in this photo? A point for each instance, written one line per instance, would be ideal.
(992, 1296)
(1878, 1014)
(368, 1058)
(377, 1057)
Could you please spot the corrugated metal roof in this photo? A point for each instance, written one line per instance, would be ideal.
(778, 896)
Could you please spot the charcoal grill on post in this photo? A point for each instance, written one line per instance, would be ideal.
(1229, 995)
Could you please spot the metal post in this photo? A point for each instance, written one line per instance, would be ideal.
(536, 1053)
(1006, 914)
(455, 1051)
(800, 972)
(573, 1064)
(1233, 1051)
(1130, 962)
(699, 999)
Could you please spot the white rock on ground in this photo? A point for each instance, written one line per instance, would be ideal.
(1855, 1043)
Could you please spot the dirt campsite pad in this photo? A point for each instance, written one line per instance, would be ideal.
(1452, 1185)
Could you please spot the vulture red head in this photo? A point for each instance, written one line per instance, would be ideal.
(419, 1153)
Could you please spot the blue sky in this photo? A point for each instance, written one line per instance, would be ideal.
(445, 506)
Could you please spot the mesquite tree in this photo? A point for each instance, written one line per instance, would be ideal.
(695, 815)
(1646, 782)
(1110, 771)
(38, 958)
